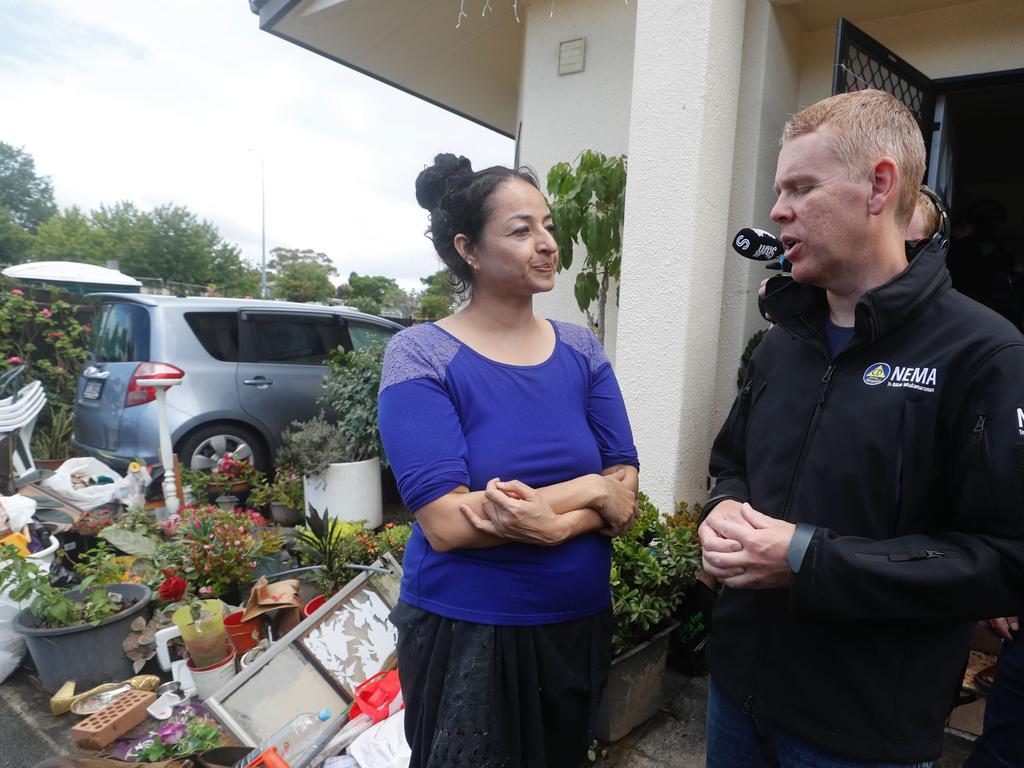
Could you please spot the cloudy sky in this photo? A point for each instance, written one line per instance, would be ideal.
(169, 102)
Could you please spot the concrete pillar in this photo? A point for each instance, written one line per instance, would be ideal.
(686, 78)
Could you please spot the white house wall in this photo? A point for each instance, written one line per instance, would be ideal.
(560, 116)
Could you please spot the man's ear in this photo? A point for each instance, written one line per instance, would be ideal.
(885, 185)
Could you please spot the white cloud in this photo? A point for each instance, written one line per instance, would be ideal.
(158, 102)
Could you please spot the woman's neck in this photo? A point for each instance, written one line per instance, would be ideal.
(492, 314)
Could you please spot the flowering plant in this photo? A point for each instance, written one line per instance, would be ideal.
(216, 550)
(90, 523)
(230, 471)
(286, 489)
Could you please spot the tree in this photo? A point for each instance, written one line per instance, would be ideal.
(373, 293)
(71, 236)
(588, 205)
(303, 281)
(438, 297)
(15, 243)
(280, 258)
(28, 196)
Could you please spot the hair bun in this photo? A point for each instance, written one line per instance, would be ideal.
(438, 178)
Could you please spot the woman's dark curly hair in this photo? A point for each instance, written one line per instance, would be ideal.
(457, 198)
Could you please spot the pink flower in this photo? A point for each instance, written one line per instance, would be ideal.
(60, 369)
(17, 292)
(14, 359)
(172, 732)
(47, 313)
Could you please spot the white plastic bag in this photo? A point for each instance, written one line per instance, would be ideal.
(91, 496)
(12, 646)
(19, 509)
(383, 745)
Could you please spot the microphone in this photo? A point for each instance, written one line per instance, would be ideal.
(759, 245)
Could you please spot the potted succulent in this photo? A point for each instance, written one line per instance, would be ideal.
(653, 565)
(72, 634)
(348, 486)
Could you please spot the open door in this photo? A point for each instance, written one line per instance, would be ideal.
(863, 62)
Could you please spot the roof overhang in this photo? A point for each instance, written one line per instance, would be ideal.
(470, 66)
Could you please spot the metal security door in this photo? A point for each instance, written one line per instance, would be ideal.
(862, 62)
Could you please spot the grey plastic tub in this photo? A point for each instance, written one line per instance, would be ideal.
(87, 654)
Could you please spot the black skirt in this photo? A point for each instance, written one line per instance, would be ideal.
(485, 696)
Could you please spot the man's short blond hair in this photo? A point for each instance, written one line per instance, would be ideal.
(865, 126)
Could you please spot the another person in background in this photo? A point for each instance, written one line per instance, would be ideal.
(510, 442)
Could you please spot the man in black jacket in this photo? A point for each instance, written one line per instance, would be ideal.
(869, 503)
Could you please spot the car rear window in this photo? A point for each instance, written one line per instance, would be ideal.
(217, 332)
(120, 334)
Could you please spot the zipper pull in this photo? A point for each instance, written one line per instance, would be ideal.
(825, 380)
(980, 426)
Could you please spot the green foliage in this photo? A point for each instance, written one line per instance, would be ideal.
(373, 293)
(311, 446)
(197, 735)
(15, 243)
(652, 567)
(438, 298)
(350, 391)
(303, 282)
(50, 605)
(49, 341)
(26, 195)
(281, 258)
(102, 563)
(286, 488)
(588, 205)
(332, 544)
(130, 542)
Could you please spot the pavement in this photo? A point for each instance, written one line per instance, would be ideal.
(674, 738)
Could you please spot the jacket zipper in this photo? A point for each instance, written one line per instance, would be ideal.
(826, 381)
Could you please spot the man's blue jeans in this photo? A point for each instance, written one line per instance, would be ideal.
(1001, 744)
(738, 740)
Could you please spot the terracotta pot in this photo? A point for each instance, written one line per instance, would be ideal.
(244, 635)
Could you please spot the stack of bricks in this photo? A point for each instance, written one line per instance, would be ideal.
(113, 721)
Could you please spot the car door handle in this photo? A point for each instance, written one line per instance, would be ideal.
(93, 372)
(259, 382)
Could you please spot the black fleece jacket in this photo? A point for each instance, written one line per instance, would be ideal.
(907, 453)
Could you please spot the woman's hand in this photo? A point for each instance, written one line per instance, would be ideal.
(616, 503)
(517, 512)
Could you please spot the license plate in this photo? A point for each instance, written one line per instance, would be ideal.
(92, 390)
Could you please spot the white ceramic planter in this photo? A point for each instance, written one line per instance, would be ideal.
(348, 492)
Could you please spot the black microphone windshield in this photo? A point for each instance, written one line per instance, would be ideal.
(757, 244)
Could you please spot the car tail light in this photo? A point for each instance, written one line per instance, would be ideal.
(137, 395)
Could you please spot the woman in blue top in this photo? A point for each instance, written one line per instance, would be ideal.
(509, 440)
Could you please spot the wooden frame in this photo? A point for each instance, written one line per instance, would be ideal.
(295, 675)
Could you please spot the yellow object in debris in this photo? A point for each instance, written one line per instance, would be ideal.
(64, 698)
(18, 540)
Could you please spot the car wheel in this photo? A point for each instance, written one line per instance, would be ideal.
(204, 447)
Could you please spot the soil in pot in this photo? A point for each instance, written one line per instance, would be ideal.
(87, 654)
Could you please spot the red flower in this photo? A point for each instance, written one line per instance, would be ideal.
(172, 589)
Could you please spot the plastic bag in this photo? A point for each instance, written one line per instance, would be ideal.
(383, 745)
(19, 509)
(91, 496)
(12, 647)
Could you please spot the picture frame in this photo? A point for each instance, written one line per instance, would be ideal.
(304, 671)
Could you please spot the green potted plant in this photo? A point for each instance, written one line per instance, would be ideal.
(652, 567)
(283, 496)
(353, 477)
(72, 634)
(332, 545)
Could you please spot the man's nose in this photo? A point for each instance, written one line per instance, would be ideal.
(780, 211)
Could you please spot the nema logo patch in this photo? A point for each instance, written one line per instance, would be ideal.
(876, 374)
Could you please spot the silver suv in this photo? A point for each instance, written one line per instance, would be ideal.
(251, 368)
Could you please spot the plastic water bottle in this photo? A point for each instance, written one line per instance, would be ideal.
(294, 741)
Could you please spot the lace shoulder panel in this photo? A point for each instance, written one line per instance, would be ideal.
(420, 352)
(584, 341)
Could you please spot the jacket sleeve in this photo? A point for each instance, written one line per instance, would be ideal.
(729, 453)
(972, 565)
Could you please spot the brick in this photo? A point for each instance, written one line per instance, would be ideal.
(113, 721)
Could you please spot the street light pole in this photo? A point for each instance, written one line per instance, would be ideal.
(263, 224)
